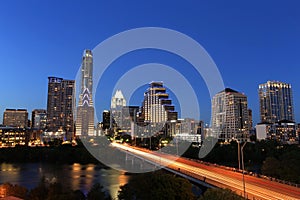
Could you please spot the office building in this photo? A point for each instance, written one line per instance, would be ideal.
(15, 118)
(230, 116)
(283, 131)
(276, 102)
(265, 131)
(250, 119)
(106, 120)
(129, 116)
(157, 107)
(286, 132)
(12, 136)
(85, 109)
(117, 103)
(60, 106)
(39, 119)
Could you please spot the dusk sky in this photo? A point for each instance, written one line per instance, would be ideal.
(251, 42)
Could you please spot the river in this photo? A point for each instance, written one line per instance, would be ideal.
(75, 176)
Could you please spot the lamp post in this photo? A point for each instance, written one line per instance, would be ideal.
(239, 154)
(243, 166)
(160, 146)
(239, 151)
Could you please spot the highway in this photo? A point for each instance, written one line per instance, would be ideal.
(256, 188)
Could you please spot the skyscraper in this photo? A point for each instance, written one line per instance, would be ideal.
(276, 102)
(129, 116)
(157, 107)
(85, 108)
(60, 105)
(39, 119)
(117, 103)
(250, 119)
(230, 116)
(15, 118)
(106, 119)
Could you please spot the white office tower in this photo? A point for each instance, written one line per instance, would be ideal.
(117, 103)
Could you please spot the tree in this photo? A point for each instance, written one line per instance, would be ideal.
(220, 194)
(14, 190)
(156, 185)
(97, 193)
(78, 195)
(271, 167)
(40, 192)
(54, 191)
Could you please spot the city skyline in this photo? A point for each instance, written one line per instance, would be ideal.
(258, 40)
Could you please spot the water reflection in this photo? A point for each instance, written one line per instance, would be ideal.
(13, 171)
(113, 182)
(75, 176)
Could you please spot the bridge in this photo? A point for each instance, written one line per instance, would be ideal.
(216, 176)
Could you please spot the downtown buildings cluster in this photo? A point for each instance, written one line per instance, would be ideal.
(156, 117)
(232, 119)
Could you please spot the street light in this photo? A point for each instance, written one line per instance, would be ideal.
(239, 152)
(160, 146)
(243, 166)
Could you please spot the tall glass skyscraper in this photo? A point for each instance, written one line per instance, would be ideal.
(276, 102)
(230, 115)
(85, 108)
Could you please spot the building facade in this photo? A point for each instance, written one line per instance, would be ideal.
(230, 116)
(85, 109)
(283, 131)
(276, 102)
(286, 132)
(157, 107)
(15, 118)
(12, 136)
(117, 103)
(129, 116)
(39, 119)
(106, 120)
(250, 119)
(60, 106)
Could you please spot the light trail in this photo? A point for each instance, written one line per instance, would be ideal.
(255, 187)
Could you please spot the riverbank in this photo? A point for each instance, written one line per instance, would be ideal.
(60, 154)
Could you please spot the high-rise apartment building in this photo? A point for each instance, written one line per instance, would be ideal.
(39, 119)
(157, 107)
(85, 108)
(15, 118)
(276, 102)
(230, 115)
(117, 103)
(106, 120)
(250, 119)
(129, 116)
(60, 105)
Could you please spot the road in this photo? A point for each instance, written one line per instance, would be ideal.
(256, 188)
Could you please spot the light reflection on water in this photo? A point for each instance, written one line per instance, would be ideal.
(76, 176)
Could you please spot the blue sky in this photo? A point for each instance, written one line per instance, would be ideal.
(250, 41)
